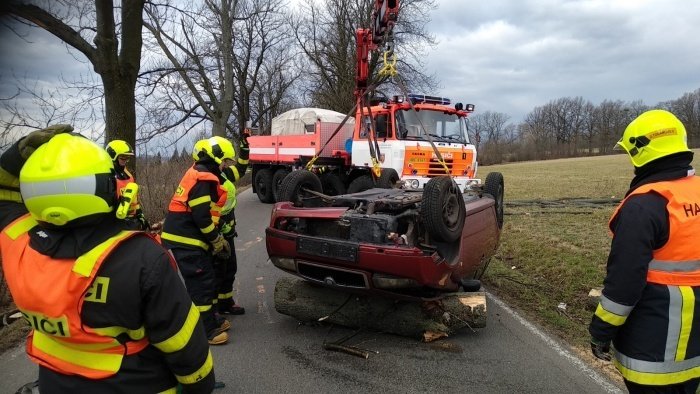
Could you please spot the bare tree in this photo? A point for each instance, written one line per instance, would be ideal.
(325, 31)
(494, 133)
(220, 56)
(687, 109)
(115, 55)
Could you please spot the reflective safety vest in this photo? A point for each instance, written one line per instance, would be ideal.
(677, 262)
(180, 201)
(121, 186)
(50, 294)
(228, 195)
(676, 266)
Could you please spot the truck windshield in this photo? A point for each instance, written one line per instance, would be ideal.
(440, 126)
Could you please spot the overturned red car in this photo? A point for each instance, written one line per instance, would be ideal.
(400, 243)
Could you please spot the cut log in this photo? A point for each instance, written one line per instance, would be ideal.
(419, 319)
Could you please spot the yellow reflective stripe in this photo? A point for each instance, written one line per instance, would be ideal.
(208, 229)
(657, 378)
(688, 297)
(90, 347)
(115, 331)
(182, 337)
(20, 227)
(609, 317)
(199, 374)
(10, 195)
(85, 263)
(199, 201)
(185, 240)
(97, 361)
(223, 296)
(172, 390)
(203, 308)
(242, 161)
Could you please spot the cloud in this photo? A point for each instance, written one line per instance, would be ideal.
(513, 56)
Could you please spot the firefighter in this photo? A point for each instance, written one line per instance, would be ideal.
(648, 309)
(121, 152)
(226, 268)
(191, 230)
(106, 306)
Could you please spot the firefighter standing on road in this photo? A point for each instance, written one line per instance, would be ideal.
(107, 309)
(649, 308)
(191, 230)
(226, 268)
(120, 152)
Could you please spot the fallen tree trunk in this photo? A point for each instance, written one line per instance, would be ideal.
(419, 319)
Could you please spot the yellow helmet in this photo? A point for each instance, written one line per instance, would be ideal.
(652, 135)
(67, 179)
(117, 148)
(217, 148)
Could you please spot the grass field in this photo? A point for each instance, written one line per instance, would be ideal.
(557, 253)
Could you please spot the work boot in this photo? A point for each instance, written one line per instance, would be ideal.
(230, 308)
(218, 337)
(224, 325)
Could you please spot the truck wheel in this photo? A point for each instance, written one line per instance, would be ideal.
(388, 179)
(443, 209)
(332, 185)
(494, 187)
(360, 184)
(294, 184)
(263, 185)
(277, 182)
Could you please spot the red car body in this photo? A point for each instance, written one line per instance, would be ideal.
(375, 241)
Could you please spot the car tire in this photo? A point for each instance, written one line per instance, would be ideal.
(332, 185)
(360, 184)
(277, 178)
(388, 179)
(293, 185)
(494, 187)
(263, 185)
(443, 209)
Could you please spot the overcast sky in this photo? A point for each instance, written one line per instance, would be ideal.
(510, 56)
(507, 56)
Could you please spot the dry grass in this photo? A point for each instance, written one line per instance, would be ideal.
(551, 256)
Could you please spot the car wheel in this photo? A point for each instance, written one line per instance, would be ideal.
(332, 185)
(388, 178)
(280, 174)
(263, 185)
(293, 186)
(360, 184)
(494, 187)
(443, 209)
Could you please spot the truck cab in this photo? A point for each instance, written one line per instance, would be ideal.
(404, 128)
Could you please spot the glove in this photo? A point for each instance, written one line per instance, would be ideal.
(145, 226)
(35, 139)
(221, 247)
(601, 349)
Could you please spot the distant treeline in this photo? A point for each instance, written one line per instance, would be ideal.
(570, 127)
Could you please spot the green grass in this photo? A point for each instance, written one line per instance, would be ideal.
(557, 255)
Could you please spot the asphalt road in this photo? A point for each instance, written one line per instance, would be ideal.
(272, 353)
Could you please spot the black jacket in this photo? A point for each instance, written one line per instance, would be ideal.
(145, 291)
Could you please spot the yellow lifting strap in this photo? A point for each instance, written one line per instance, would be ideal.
(389, 68)
(311, 162)
(376, 168)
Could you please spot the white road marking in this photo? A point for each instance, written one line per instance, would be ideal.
(582, 366)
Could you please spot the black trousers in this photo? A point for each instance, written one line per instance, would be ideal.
(225, 276)
(689, 387)
(197, 269)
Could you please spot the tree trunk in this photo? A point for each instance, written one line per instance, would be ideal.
(120, 114)
(419, 319)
